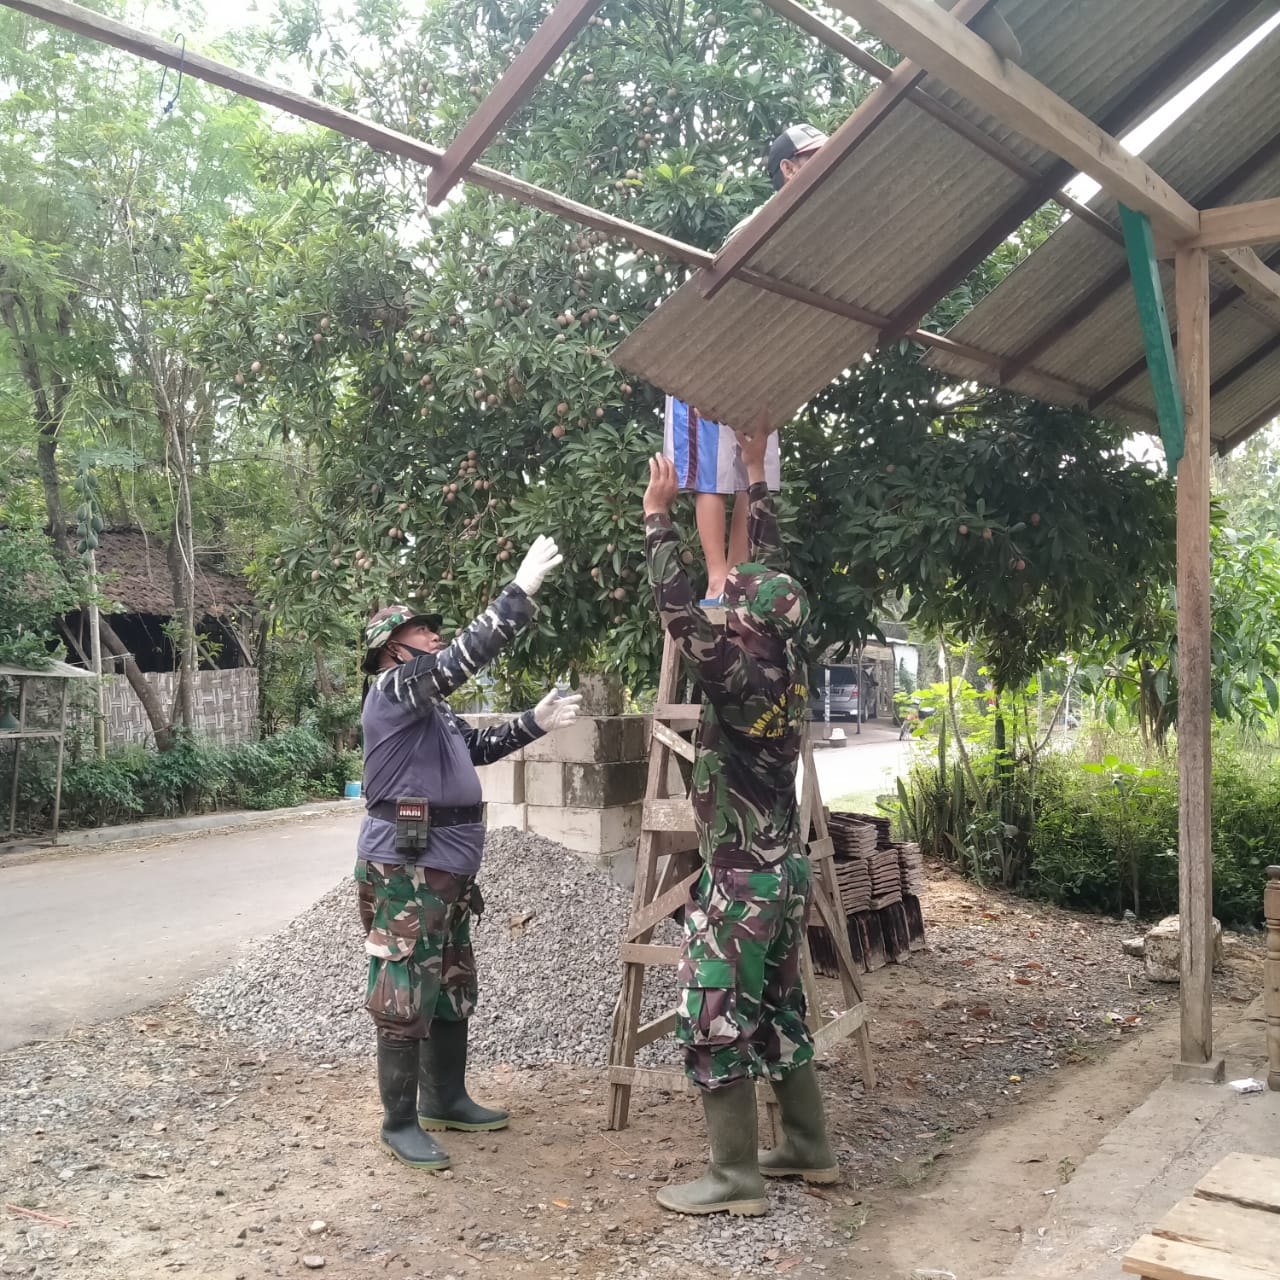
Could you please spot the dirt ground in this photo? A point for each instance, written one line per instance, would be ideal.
(158, 1146)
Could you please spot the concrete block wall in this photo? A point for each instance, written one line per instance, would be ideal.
(582, 786)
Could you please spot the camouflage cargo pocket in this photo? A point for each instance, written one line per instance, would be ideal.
(404, 937)
(708, 1002)
(395, 996)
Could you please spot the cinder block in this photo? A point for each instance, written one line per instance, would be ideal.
(544, 782)
(593, 831)
(603, 786)
(594, 740)
(621, 866)
(585, 786)
(507, 815)
(503, 783)
(602, 695)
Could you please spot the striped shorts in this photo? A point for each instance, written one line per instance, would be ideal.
(706, 454)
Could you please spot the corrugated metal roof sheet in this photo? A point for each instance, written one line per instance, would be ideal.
(1224, 151)
(899, 211)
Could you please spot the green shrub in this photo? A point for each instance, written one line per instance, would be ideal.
(194, 777)
(1085, 835)
(280, 771)
(1103, 835)
(100, 793)
(1089, 838)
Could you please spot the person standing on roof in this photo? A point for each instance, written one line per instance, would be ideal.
(742, 1006)
(419, 851)
(705, 454)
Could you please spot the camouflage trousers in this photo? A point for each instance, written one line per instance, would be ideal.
(742, 1004)
(417, 922)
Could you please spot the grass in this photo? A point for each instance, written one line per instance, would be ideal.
(854, 802)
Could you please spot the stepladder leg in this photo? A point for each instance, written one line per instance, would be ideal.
(864, 1051)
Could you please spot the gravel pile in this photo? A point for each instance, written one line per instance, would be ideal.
(546, 949)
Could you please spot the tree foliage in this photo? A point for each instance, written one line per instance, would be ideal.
(33, 593)
(450, 375)
(106, 418)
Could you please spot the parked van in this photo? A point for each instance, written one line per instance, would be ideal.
(845, 690)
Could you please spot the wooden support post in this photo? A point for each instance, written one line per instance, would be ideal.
(17, 752)
(1271, 975)
(62, 747)
(1195, 853)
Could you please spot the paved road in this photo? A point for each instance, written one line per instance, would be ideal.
(87, 936)
(865, 767)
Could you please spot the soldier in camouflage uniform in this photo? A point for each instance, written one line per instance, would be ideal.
(416, 902)
(742, 1004)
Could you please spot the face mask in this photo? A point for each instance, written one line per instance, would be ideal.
(417, 653)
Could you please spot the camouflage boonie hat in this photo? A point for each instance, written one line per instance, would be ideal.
(377, 631)
(767, 601)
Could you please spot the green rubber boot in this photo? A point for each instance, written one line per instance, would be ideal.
(732, 1183)
(443, 1101)
(804, 1151)
(398, 1085)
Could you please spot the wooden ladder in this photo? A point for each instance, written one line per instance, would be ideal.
(667, 864)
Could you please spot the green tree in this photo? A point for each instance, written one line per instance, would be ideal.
(34, 592)
(452, 380)
(101, 189)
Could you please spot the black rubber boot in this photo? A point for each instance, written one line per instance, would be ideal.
(804, 1151)
(443, 1101)
(398, 1085)
(732, 1183)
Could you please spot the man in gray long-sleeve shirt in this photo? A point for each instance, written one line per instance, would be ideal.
(417, 862)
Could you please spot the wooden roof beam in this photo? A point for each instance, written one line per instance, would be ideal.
(85, 22)
(1138, 99)
(1225, 299)
(512, 91)
(866, 118)
(920, 97)
(925, 33)
(1237, 226)
(1256, 287)
(1256, 281)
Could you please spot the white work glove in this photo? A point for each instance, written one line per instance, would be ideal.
(555, 712)
(541, 558)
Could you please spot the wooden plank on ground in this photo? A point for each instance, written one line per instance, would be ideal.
(1252, 1181)
(1223, 1225)
(1155, 1258)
